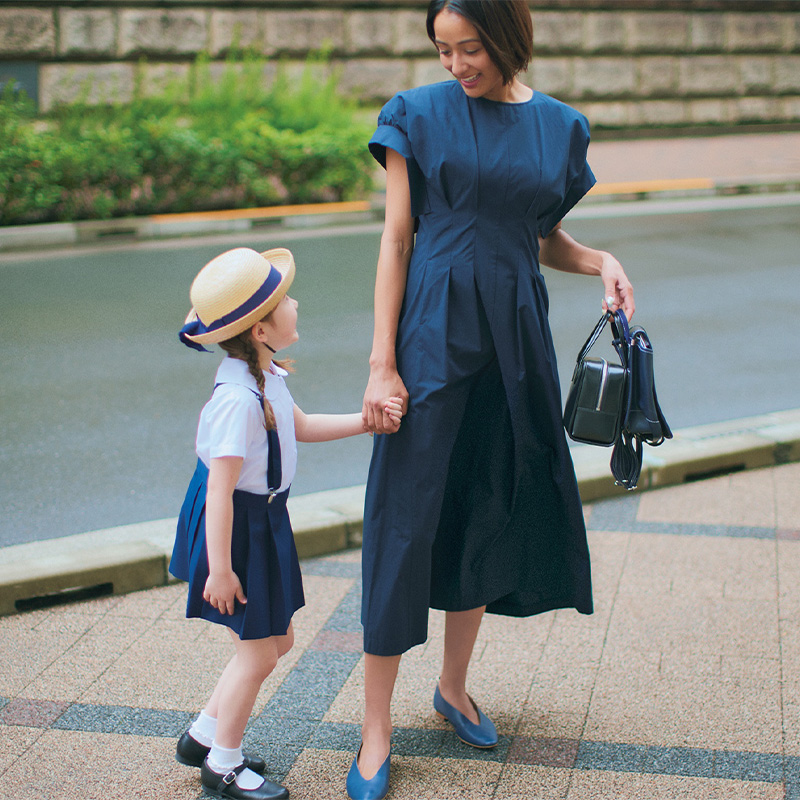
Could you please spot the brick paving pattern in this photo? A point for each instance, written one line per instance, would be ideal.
(683, 684)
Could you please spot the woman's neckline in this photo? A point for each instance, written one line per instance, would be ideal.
(507, 102)
(511, 102)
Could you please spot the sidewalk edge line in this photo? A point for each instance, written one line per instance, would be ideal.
(133, 557)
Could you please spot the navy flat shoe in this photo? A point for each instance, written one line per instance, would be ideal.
(482, 735)
(373, 789)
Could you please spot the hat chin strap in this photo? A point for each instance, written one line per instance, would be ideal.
(269, 348)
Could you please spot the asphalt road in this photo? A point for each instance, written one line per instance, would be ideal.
(99, 401)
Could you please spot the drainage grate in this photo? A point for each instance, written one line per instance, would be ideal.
(728, 469)
(64, 597)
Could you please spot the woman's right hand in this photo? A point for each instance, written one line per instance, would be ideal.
(222, 590)
(384, 383)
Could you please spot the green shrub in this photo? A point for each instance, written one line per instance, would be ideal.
(233, 142)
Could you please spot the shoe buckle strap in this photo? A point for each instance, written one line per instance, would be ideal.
(230, 776)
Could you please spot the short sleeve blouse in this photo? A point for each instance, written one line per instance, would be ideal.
(232, 424)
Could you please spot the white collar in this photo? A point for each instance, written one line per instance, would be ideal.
(234, 370)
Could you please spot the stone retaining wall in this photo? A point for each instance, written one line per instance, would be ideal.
(644, 64)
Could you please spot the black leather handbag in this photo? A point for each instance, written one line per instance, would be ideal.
(594, 409)
(608, 399)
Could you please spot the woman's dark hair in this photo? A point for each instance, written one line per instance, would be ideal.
(504, 26)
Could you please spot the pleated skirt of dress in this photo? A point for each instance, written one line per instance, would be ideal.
(263, 556)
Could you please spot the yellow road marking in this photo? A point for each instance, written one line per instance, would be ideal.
(266, 212)
(644, 187)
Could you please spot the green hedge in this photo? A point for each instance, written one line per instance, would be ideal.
(230, 142)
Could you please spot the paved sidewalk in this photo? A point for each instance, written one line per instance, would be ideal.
(683, 684)
(726, 164)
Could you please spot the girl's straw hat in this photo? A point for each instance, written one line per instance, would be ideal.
(234, 291)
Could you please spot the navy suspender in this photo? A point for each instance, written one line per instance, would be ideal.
(274, 470)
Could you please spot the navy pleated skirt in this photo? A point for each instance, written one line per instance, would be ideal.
(263, 556)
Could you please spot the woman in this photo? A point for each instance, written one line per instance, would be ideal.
(473, 506)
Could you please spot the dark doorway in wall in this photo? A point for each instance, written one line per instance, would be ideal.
(23, 76)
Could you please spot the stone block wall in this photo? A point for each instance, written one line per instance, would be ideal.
(625, 64)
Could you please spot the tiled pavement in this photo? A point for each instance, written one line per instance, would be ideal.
(683, 684)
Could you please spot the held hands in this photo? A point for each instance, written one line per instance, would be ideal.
(617, 289)
(393, 411)
(222, 590)
(379, 414)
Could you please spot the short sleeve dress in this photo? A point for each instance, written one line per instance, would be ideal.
(474, 502)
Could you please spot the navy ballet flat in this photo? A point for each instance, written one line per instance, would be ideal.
(482, 735)
(373, 789)
(190, 752)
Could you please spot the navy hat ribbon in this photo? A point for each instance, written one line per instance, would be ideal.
(197, 328)
(193, 328)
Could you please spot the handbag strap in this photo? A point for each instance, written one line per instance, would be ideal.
(626, 460)
(593, 337)
(620, 330)
(622, 337)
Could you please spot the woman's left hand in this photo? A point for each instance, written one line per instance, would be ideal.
(617, 289)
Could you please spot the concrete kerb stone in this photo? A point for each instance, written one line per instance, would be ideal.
(164, 226)
(131, 557)
(28, 237)
(55, 574)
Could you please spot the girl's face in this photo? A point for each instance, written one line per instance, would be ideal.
(280, 327)
(462, 53)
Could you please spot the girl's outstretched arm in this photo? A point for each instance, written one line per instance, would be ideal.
(223, 587)
(327, 427)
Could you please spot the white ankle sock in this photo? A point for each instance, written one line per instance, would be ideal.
(222, 759)
(204, 729)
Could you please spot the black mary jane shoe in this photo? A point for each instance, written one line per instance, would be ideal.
(224, 785)
(191, 753)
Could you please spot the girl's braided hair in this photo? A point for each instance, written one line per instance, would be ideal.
(242, 347)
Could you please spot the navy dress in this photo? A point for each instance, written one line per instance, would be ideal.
(474, 502)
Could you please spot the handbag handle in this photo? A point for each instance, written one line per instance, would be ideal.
(622, 336)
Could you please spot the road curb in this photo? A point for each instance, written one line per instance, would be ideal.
(167, 226)
(132, 557)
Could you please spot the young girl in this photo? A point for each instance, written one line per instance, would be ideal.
(234, 543)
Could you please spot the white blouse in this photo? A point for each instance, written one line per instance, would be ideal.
(232, 424)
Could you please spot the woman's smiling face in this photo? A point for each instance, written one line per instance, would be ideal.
(462, 53)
